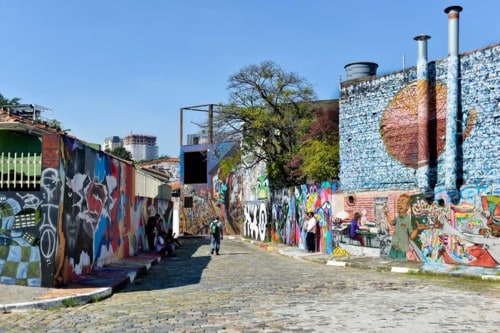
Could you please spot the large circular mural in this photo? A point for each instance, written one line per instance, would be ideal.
(399, 124)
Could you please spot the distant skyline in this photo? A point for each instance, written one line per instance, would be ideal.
(112, 68)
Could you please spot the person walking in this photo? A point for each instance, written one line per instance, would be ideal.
(310, 226)
(216, 235)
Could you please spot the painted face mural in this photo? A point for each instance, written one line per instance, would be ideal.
(96, 196)
(77, 223)
(222, 192)
(262, 187)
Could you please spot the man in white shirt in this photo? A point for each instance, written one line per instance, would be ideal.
(310, 227)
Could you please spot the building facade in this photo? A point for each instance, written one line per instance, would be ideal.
(419, 152)
(141, 146)
(112, 142)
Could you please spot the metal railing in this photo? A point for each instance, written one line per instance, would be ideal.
(20, 171)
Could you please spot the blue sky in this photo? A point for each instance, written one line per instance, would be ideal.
(118, 67)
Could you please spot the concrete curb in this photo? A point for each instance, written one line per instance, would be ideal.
(78, 299)
(490, 277)
(404, 270)
(379, 267)
(89, 288)
(336, 263)
(299, 254)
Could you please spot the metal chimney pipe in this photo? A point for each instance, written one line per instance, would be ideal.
(423, 173)
(453, 18)
(452, 84)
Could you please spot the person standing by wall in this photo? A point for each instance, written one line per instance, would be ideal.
(152, 230)
(310, 227)
(216, 234)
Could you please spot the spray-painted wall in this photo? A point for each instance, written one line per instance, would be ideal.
(256, 202)
(289, 207)
(201, 202)
(378, 132)
(85, 215)
(379, 153)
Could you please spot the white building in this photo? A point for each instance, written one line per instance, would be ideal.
(197, 139)
(141, 147)
(112, 142)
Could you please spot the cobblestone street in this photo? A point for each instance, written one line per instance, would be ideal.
(249, 289)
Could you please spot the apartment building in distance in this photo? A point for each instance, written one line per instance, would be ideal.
(112, 142)
(141, 146)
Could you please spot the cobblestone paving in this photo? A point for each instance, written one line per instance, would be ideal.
(249, 289)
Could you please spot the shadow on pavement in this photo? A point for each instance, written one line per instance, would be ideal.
(179, 270)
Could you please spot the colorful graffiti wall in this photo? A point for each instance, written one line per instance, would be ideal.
(219, 196)
(280, 217)
(412, 227)
(382, 148)
(85, 215)
(22, 226)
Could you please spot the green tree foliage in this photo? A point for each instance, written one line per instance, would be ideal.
(317, 158)
(122, 153)
(55, 124)
(269, 108)
(5, 101)
(229, 164)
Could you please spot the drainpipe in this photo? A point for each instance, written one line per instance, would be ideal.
(423, 173)
(452, 84)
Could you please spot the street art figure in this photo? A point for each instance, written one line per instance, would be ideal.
(491, 205)
(263, 187)
(403, 228)
(77, 229)
(222, 192)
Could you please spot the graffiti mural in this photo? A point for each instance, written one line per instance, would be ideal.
(263, 187)
(289, 207)
(101, 218)
(219, 196)
(20, 258)
(440, 232)
(195, 219)
(49, 226)
(398, 124)
(382, 224)
(235, 208)
(144, 208)
(82, 215)
(255, 223)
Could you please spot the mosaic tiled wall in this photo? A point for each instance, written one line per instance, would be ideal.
(378, 128)
(379, 152)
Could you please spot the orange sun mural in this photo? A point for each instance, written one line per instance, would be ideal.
(399, 126)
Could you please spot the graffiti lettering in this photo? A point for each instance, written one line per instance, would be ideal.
(50, 209)
(255, 221)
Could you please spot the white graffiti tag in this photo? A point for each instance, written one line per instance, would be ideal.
(30, 201)
(255, 221)
(50, 189)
